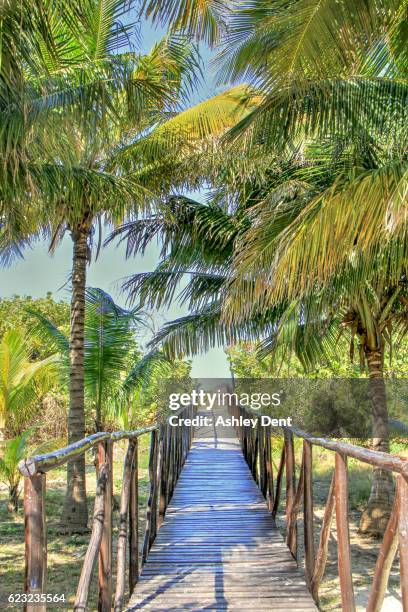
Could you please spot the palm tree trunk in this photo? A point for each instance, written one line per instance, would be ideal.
(376, 515)
(75, 516)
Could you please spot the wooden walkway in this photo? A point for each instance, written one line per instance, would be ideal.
(218, 548)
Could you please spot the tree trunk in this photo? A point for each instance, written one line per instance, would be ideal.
(75, 516)
(375, 517)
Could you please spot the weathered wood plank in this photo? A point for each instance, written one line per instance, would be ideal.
(134, 522)
(343, 536)
(93, 549)
(105, 457)
(123, 527)
(35, 538)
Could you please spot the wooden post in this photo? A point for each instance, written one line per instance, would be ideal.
(290, 470)
(308, 512)
(279, 476)
(105, 552)
(169, 468)
(151, 507)
(254, 434)
(244, 443)
(162, 475)
(402, 492)
(171, 474)
(343, 536)
(291, 523)
(290, 476)
(262, 459)
(35, 539)
(385, 558)
(123, 525)
(269, 469)
(321, 556)
(81, 599)
(155, 491)
(133, 522)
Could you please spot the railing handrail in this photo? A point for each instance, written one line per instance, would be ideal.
(169, 447)
(256, 445)
(387, 461)
(48, 461)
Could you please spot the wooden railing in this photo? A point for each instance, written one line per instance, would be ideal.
(256, 447)
(169, 446)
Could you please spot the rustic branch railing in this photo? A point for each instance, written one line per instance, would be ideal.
(256, 447)
(169, 446)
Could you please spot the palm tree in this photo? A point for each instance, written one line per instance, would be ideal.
(232, 263)
(88, 156)
(21, 381)
(328, 71)
(114, 369)
(206, 20)
(107, 185)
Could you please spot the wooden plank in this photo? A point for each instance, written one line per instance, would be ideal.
(123, 527)
(105, 552)
(35, 538)
(321, 556)
(134, 522)
(308, 513)
(151, 514)
(343, 536)
(385, 558)
(218, 542)
(93, 549)
(402, 493)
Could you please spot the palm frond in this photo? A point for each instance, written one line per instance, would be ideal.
(289, 256)
(302, 38)
(311, 109)
(204, 20)
(186, 130)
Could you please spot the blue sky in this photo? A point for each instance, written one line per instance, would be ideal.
(40, 272)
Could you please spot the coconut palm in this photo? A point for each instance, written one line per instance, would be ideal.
(207, 21)
(106, 186)
(328, 71)
(325, 70)
(347, 245)
(114, 367)
(84, 150)
(229, 259)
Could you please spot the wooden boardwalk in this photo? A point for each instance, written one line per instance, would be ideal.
(218, 548)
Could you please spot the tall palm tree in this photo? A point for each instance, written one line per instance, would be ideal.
(95, 122)
(327, 71)
(107, 184)
(232, 262)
